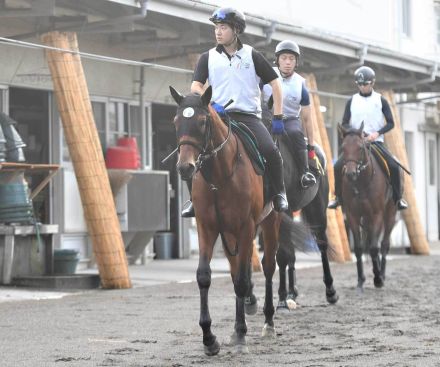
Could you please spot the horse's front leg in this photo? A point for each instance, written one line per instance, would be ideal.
(373, 239)
(330, 292)
(390, 220)
(281, 259)
(240, 272)
(250, 301)
(270, 236)
(206, 245)
(355, 229)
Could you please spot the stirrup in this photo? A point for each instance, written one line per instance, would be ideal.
(189, 211)
(280, 203)
(308, 180)
(402, 204)
(334, 203)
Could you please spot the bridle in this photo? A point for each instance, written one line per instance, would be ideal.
(363, 162)
(205, 153)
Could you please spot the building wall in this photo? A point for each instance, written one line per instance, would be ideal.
(376, 22)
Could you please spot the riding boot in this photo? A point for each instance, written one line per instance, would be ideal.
(337, 169)
(307, 179)
(188, 212)
(275, 168)
(396, 183)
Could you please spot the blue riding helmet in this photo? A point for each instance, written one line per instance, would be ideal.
(230, 16)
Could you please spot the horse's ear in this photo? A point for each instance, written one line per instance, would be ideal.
(361, 129)
(176, 95)
(206, 96)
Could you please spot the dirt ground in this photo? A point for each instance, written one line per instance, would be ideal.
(398, 325)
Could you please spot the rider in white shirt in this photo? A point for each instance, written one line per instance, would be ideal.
(235, 71)
(296, 107)
(371, 108)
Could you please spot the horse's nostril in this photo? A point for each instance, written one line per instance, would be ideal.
(186, 171)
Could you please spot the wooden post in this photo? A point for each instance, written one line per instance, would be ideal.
(394, 140)
(88, 161)
(336, 232)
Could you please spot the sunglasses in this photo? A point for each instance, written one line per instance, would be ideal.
(363, 83)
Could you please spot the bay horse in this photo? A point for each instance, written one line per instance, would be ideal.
(227, 195)
(313, 204)
(367, 201)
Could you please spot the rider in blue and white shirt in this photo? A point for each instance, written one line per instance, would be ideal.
(370, 108)
(296, 107)
(234, 71)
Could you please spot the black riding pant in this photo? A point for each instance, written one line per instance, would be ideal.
(395, 171)
(295, 132)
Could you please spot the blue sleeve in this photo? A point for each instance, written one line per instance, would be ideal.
(305, 97)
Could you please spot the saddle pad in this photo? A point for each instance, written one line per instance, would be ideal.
(250, 144)
(380, 158)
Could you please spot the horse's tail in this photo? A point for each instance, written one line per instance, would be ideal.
(295, 236)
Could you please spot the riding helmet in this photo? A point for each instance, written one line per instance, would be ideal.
(364, 74)
(231, 16)
(287, 47)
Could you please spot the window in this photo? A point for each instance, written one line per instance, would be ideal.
(99, 115)
(117, 122)
(437, 19)
(406, 17)
(116, 119)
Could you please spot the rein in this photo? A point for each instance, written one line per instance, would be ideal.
(206, 155)
(362, 164)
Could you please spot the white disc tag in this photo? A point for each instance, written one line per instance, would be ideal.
(188, 112)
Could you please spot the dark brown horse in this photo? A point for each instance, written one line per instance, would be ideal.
(227, 196)
(313, 204)
(367, 201)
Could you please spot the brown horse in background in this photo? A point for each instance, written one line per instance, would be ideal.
(367, 201)
(227, 195)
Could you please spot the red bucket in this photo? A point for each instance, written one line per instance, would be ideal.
(122, 158)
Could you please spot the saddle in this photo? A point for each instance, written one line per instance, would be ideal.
(250, 145)
(381, 160)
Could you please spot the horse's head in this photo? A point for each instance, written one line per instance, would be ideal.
(354, 151)
(192, 122)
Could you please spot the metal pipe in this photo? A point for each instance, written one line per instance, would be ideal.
(91, 56)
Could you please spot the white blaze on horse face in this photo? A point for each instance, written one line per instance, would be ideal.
(188, 112)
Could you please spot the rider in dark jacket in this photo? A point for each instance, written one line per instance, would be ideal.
(370, 107)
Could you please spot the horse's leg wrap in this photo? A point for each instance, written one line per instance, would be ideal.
(204, 282)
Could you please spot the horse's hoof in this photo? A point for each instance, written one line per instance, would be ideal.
(250, 305)
(241, 349)
(213, 349)
(332, 299)
(360, 289)
(268, 331)
(291, 304)
(282, 307)
(378, 282)
(332, 296)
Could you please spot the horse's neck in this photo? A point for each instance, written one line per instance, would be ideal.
(224, 160)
